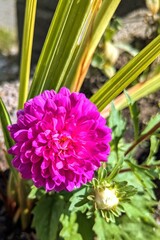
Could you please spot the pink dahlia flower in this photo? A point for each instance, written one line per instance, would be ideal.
(60, 140)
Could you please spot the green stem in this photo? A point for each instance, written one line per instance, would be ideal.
(142, 138)
(143, 166)
(116, 169)
(28, 32)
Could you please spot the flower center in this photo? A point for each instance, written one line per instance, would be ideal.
(61, 144)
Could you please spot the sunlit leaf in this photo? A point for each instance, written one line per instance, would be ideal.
(69, 227)
(28, 32)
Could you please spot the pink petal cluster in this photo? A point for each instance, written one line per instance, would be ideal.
(60, 140)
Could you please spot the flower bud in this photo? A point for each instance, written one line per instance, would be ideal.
(111, 52)
(106, 199)
(153, 5)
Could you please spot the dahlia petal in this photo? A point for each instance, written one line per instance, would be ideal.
(70, 175)
(24, 159)
(48, 94)
(40, 182)
(16, 162)
(35, 144)
(32, 133)
(59, 165)
(21, 123)
(45, 164)
(39, 102)
(25, 170)
(14, 150)
(39, 151)
(13, 128)
(50, 184)
(65, 91)
(34, 158)
(28, 119)
(60, 187)
(70, 186)
(35, 170)
(50, 105)
(21, 135)
(26, 145)
(28, 153)
(45, 173)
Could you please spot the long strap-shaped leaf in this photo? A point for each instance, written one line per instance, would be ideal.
(5, 121)
(127, 74)
(28, 32)
(136, 92)
(66, 43)
(98, 26)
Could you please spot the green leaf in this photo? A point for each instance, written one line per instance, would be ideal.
(117, 124)
(76, 199)
(140, 209)
(126, 75)
(134, 114)
(106, 231)
(141, 230)
(154, 146)
(116, 168)
(28, 32)
(46, 217)
(99, 227)
(153, 121)
(36, 193)
(5, 121)
(144, 177)
(69, 227)
(85, 226)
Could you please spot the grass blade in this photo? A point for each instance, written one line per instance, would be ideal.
(5, 121)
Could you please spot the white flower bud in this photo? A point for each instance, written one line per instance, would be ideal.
(106, 199)
(153, 5)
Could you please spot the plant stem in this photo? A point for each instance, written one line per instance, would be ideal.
(142, 138)
(143, 166)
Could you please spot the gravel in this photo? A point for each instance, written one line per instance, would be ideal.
(9, 94)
